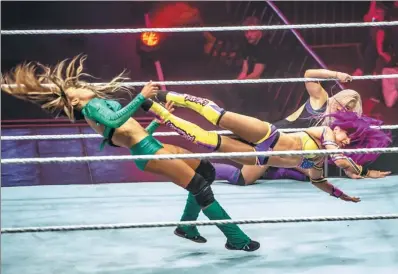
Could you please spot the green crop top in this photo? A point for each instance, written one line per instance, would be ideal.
(111, 114)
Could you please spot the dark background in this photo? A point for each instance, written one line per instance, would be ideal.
(183, 57)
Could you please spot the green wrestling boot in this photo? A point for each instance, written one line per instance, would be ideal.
(236, 238)
(192, 208)
(191, 213)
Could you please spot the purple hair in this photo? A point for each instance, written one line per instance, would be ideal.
(361, 133)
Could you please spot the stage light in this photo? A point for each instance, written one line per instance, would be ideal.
(150, 39)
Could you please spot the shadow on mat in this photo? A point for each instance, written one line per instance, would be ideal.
(194, 254)
(239, 259)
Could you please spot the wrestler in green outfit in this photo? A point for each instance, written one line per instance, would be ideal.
(72, 96)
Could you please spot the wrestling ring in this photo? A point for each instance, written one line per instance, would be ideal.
(49, 224)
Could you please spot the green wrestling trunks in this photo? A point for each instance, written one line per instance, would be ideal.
(111, 114)
(147, 146)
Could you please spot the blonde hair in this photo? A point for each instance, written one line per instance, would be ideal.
(46, 86)
(342, 98)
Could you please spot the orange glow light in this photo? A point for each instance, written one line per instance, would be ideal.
(150, 39)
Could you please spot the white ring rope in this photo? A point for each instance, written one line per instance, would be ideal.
(156, 134)
(201, 29)
(213, 155)
(199, 223)
(235, 81)
(198, 155)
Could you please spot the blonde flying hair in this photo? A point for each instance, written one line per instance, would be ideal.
(342, 98)
(46, 86)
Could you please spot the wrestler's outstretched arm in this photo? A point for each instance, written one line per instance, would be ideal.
(317, 179)
(340, 160)
(97, 110)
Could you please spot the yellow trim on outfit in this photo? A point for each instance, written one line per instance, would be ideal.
(266, 136)
(308, 143)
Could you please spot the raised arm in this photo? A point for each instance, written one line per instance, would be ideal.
(315, 90)
(99, 111)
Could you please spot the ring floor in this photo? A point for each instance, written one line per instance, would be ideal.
(327, 247)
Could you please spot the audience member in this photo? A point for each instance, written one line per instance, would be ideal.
(258, 62)
(257, 52)
(390, 86)
(373, 47)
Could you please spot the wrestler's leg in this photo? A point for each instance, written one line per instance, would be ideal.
(286, 173)
(203, 167)
(249, 128)
(249, 174)
(199, 136)
(188, 130)
(246, 175)
(193, 163)
(169, 169)
(228, 144)
(192, 209)
(305, 172)
(181, 174)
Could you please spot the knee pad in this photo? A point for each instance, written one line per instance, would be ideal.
(205, 197)
(206, 170)
(201, 190)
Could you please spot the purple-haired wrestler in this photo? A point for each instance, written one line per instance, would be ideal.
(346, 130)
(311, 113)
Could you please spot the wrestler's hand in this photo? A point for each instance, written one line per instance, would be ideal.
(353, 175)
(347, 198)
(377, 174)
(343, 77)
(150, 90)
(170, 107)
